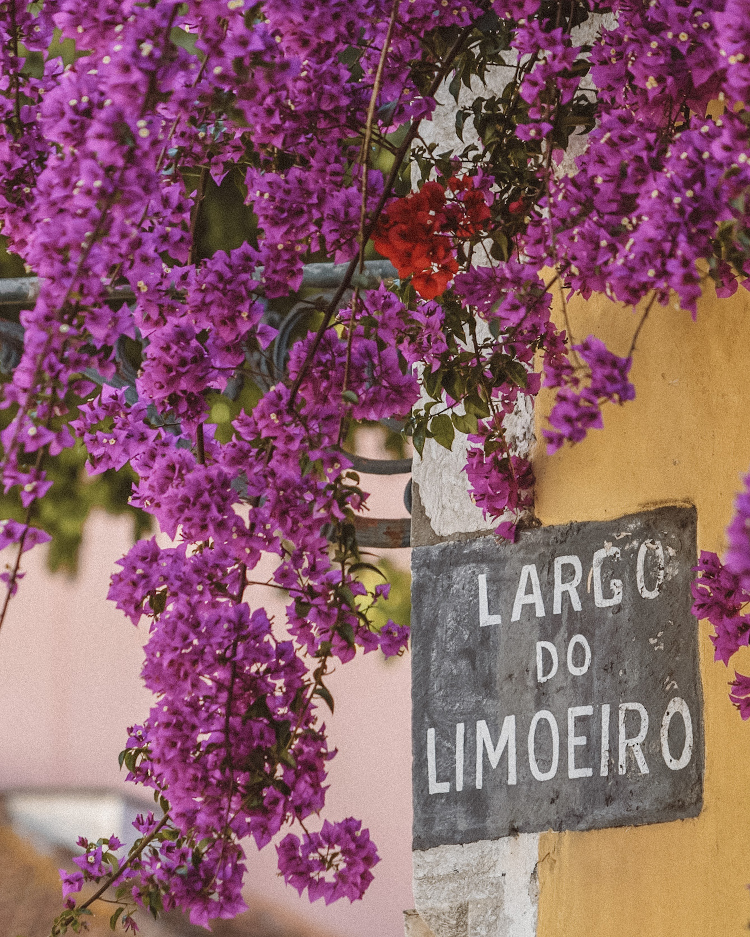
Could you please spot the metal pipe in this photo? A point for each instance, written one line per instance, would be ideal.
(378, 466)
(16, 291)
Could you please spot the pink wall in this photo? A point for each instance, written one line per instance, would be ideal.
(69, 685)
(69, 671)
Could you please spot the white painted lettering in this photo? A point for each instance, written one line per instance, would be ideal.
(615, 584)
(633, 743)
(541, 646)
(528, 573)
(555, 733)
(435, 786)
(604, 760)
(485, 618)
(677, 705)
(460, 733)
(575, 741)
(655, 547)
(578, 671)
(569, 587)
(484, 742)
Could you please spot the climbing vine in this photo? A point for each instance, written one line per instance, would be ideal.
(119, 121)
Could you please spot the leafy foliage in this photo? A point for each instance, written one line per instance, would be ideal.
(196, 156)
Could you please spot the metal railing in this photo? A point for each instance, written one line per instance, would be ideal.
(379, 533)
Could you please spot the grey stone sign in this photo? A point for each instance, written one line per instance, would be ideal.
(556, 681)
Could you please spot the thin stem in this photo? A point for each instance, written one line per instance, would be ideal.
(347, 364)
(200, 444)
(243, 584)
(640, 326)
(270, 585)
(175, 123)
(319, 673)
(16, 80)
(199, 196)
(130, 860)
(566, 318)
(27, 521)
(365, 155)
(192, 259)
(16, 567)
(392, 176)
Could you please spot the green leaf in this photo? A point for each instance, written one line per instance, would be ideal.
(460, 121)
(301, 608)
(350, 396)
(418, 438)
(287, 758)
(517, 373)
(324, 693)
(115, 917)
(324, 650)
(464, 423)
(158, 601)
(373, 569)
(347, 632)
(347, 595)
(454, 383)
(500, 240)
(455, 87)
(433, 381)
(476, 406)
(442, 430)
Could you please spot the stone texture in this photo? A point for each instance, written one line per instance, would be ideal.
(483, 889)
(444, 498)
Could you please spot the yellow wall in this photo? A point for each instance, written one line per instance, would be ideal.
(686, 437)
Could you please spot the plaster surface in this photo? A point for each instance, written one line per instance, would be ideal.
(683, 439)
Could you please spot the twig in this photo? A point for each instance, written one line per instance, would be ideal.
(640, 326)
(365, 153)
(392, 176)
(16, 80)
(192, 259)
(131, 858)
(200, 444)
(17, 565)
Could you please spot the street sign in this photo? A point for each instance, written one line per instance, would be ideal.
(556, 681)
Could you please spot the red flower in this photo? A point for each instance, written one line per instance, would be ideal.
(416, 233)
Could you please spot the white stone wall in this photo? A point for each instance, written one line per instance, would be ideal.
(484, 889)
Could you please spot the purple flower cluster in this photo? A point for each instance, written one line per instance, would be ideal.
(97, 158)
(738, 534)
(720, 595)
(514, 302)
(642, 210)
(343, 855)
(577, 407)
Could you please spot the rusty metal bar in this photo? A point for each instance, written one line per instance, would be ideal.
(383, 533)
(16, 291)
(378, 466)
